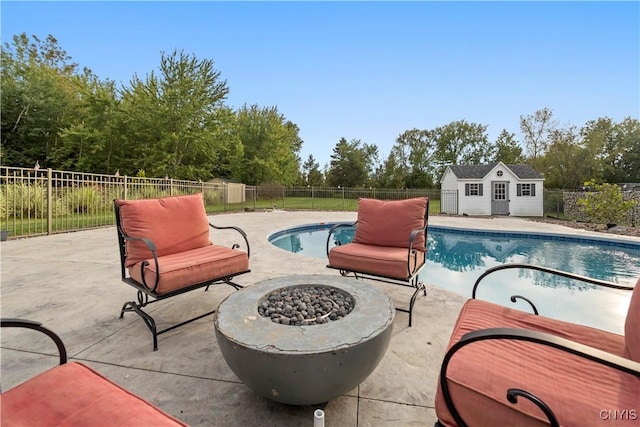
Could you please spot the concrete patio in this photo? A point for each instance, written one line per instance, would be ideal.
(71, 283)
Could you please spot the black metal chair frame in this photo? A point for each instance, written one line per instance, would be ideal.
(590, 353)
(413, 281)
(37, 326)
(145, 291)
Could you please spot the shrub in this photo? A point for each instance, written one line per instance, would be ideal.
(606, 204)
(21, 200)
(212, 197)
(85, 200)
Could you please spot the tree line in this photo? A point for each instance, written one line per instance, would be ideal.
(175, 122)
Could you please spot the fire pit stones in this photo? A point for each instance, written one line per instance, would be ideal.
(308, 364)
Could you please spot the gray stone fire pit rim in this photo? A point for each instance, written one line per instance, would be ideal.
(238, 319)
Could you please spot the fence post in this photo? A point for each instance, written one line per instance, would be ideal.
(225, 191)
(312, 197)
(125, 188)
(49, 201)
(244, 196)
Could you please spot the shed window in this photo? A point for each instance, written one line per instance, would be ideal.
(473, 189)
(526, 190)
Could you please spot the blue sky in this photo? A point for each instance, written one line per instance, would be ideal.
(370, 70)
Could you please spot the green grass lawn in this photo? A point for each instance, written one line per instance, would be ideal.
(304, 203)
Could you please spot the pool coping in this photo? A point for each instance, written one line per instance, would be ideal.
(542, 235)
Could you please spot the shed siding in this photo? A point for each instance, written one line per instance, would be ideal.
(449, 181)
(474, 205)
(481, 205)
(528, 205)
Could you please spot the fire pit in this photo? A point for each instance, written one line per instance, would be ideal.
(306, 339)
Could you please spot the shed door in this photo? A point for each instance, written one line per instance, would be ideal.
(499, 198)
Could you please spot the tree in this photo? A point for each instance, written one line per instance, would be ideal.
(311, 172)
(414, 152)
(626, 166)
(461, 142)
(271, 146)
(535, 130)
(613, 149)
(598, 141)
(38, 98)
(391, 174)
(94, 142)
(352, 163)
(565, 163)
(507, 149)
(177, 123)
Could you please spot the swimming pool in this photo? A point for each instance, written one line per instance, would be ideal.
(457, 257)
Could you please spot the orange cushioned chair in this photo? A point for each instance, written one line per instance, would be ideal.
(390, 244)
(507, 367)
(165, 250)
(73, 394)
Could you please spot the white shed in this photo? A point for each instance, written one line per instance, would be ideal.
(495, 189)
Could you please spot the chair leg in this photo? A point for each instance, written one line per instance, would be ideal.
(419, 287)
(143, 301)
(148, 320)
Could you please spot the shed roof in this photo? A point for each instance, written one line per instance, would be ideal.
(522, 171)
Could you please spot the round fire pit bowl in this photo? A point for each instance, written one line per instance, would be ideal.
(310, 363)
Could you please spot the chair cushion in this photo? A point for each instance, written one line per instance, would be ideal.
(190, 267)
(389, 223)
(174, 224)
(632, 325)
(376, 260)
(575, 389)
(75, 395)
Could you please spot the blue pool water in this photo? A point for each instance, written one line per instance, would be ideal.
(457, 257)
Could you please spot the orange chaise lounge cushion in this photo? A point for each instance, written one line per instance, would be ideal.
(75, 395)
(381, 239)
(575, 389)
(179, 228)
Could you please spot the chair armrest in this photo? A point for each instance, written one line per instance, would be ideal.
(414, 252)
(552, 271)
(152, 248)
(590, 353)
(413, 235)
(239, 230)
(37, 326)
(333, 230)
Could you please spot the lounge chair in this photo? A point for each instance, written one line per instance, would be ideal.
(389, 244)
(72, 394)
(165, 250)
(507, 367)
